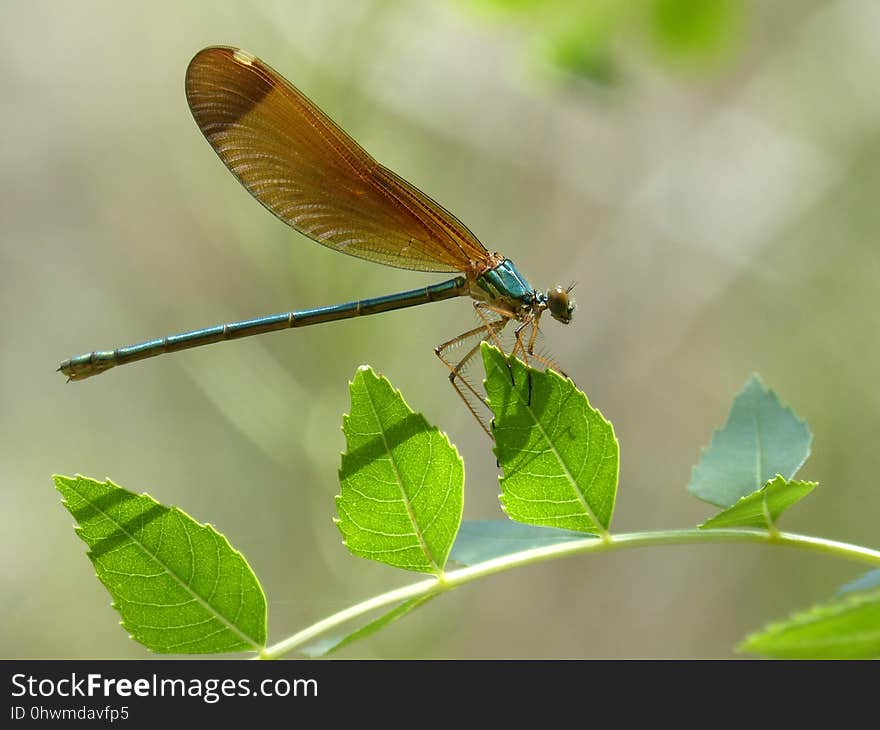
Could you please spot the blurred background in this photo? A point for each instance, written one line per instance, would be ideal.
(707, 172)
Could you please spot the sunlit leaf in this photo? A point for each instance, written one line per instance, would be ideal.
(559, 456)
(179, 585)
(332, 644)
(762, 508)
(761, 438)
(402, 481)
(846, 628)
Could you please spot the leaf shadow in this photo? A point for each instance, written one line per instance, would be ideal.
(529, 391)
(122, 533)
(379, 446)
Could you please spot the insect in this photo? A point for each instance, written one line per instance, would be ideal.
(308, 172)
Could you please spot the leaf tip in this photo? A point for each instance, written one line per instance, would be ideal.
(755, 380)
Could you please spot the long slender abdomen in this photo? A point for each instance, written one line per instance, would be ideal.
(85, 366)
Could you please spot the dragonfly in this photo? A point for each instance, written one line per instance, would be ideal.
(312, 175)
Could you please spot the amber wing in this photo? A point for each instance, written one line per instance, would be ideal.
(301, 166)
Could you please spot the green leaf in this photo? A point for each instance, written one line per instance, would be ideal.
(559, 455)
(333, 644)
(846, 628)
(179, 586)
(585, 57)
(762, 508)
(481, 540)
(402, 481)
(695, 27)
(761, 438)
(524, 8)
(581, 40)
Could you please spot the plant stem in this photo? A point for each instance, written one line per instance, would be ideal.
(586, 545)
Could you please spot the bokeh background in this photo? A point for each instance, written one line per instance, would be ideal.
(708, 173)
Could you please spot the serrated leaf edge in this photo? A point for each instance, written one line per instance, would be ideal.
(256, 646)
(810, 615)
(432, 428)
(589, 512)
(770, 523)
(716, 431)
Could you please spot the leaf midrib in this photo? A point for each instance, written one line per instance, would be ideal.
(404, 498)
(231, 627)
(568, 475)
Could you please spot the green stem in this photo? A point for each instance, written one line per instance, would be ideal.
(604, 544)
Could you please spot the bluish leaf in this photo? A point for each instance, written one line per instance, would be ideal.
(761, 438)
(866, 582)
(481, 540)
(332, 644)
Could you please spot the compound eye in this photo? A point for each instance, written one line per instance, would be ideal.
(559, 304)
